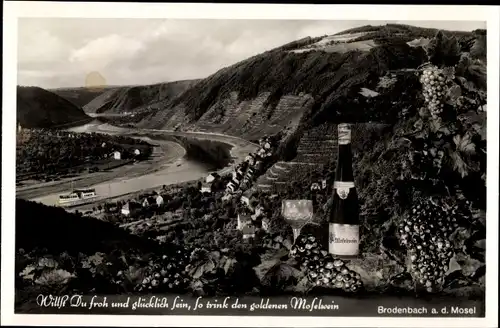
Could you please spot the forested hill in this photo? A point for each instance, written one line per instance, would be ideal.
(136, 98)
(312, 80)
(39, 108)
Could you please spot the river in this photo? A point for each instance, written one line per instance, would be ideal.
(176, 170)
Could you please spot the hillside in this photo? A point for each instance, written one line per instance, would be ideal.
(136, 98)
(39, 108)
(417, 98)
(81, 96)
(313, 78)
(54, 246)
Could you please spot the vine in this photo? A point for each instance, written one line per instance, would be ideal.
(447, 151)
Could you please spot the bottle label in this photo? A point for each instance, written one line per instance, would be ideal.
(343, 239)
(342, 188)
(344, 134)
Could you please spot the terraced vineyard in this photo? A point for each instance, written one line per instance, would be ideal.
(283, 175)
(250, 119)
(318, 145)
(316, 151)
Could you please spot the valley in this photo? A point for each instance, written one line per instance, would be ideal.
(205, 210)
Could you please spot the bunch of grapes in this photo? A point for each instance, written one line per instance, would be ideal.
(323, 270)
(166, 273)
(434, 89)
(426, 235)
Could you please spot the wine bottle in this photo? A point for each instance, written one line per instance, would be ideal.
(343, 234)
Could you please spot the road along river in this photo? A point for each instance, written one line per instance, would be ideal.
(173, 169)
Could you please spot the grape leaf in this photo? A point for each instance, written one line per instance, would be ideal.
(449, 73)
(435, 125)
(423, 112)
(465, 144)
(27, 273)
(463, 64)
(443, 50)
(467, 85)
(458, 164)
(418, 125)
(54, 277)
(453, 94)
(281, 274)
(45, 262)
(453, 266)
(303, 286)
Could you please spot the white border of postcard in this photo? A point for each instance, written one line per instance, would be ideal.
(14, 10)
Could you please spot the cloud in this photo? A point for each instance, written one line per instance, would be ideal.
(59, 52)
(98, 53)
(40, 47)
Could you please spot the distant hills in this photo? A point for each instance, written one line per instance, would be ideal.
(39, 108)
(136, 98)
(81, 96)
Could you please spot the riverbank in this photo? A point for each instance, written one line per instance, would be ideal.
(164, 153)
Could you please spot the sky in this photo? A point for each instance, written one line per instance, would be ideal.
(61, 52)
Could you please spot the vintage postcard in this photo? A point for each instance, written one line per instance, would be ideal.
(250, 165)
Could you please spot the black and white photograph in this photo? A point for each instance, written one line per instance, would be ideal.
(250, 168)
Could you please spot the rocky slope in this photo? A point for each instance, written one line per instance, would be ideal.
(136, 98)
(39, 108)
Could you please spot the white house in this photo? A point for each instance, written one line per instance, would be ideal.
(267, 145)
(137, 152)
(243, 221)
(126, 209)
(145, 202)
(103, 145)
(246, 197)
(231, 187)
(245, 200)
(159, 200)
(249, 174)
(117, 155)
(211, 177)
(206, 188)
(130, 208)
(248, 232)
